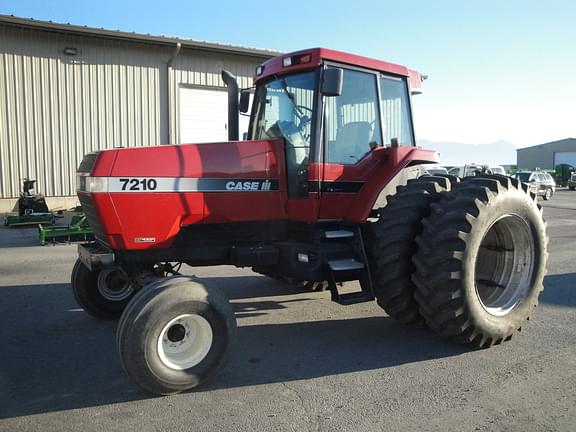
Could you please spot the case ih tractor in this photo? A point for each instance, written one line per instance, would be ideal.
(325, 191)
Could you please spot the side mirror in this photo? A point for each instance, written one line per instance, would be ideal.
(244, 101)
(332, 82)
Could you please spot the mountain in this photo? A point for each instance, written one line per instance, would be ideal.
(452, 153)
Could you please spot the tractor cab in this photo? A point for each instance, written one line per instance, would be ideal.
(340, 116)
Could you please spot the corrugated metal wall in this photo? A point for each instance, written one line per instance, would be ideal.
(203, 69)
(55, 108)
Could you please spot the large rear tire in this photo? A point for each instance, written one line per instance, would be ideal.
(391, 244)
(175, 335)
(481, 261)
(103, 293)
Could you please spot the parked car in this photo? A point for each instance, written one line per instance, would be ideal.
(474, 169)
(572, 181)
(540, 182)
(497, 169)
(434, 170)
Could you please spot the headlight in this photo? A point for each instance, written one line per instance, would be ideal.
(92, 184)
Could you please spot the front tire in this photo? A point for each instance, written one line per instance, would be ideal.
(103, 293)
(481, 261)
(175, 335)
(548, 194)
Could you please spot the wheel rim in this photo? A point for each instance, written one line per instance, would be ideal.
(504, 265)
(548, 193)
(185, 341)
(113, 285)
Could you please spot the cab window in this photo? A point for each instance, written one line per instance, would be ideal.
(352, 120)
(397, 124)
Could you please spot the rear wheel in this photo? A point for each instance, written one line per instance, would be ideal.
(481, 261)
(391, 244)
(572, 188)
(175, 335)
(102, 293)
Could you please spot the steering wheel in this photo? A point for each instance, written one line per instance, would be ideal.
(303, 120)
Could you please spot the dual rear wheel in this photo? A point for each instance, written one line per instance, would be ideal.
(469, 264)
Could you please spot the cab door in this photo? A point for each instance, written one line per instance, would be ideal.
(353, 128)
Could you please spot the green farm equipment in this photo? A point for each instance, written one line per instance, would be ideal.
(32, 208)
(562, 174)
(28, 219)
(77, 230)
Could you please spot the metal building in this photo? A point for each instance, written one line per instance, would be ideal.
(547, 156)
(67, 90)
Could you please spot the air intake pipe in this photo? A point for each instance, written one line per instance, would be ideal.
(233, 114)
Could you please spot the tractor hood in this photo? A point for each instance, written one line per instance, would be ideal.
(141, 197)
(243, 160)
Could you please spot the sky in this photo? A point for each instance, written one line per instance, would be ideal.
(498, 70)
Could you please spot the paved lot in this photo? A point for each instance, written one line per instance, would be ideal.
(299, 363)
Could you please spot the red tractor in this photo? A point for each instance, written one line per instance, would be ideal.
(325, 189)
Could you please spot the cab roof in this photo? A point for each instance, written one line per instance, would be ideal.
(313, 57)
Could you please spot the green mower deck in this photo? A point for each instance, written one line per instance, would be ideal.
(77, 230)
(29, 219)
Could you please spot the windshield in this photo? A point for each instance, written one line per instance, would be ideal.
(523, 177)
(283, 109)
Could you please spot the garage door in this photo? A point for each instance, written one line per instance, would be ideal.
(565, 158)
(204, 116)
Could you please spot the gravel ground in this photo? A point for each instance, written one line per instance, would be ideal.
(299, 363)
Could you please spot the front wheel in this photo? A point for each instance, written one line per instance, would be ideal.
(548, 194)
(102, 293)
(175, 335)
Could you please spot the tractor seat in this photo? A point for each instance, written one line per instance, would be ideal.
(352, 142)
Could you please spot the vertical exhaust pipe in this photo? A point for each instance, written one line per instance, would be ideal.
(233, 114)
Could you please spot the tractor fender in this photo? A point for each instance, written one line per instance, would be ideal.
(399, 164)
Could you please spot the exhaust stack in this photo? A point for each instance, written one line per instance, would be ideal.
(233, 121)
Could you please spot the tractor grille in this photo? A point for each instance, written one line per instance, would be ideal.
(92, 216)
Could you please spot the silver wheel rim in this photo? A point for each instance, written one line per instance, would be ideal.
(113, 285)
(185, 341)
(548, 193)
(504, 265)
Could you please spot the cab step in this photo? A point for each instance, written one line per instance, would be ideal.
(338, 234)
(347, 270)
(346, 264)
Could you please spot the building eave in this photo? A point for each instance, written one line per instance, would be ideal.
(13, 21)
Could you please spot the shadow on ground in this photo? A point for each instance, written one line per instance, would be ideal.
(560, 289)
(19, 236)
(55, 357)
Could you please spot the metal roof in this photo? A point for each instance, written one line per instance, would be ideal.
(13, 21)
(565, 140)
